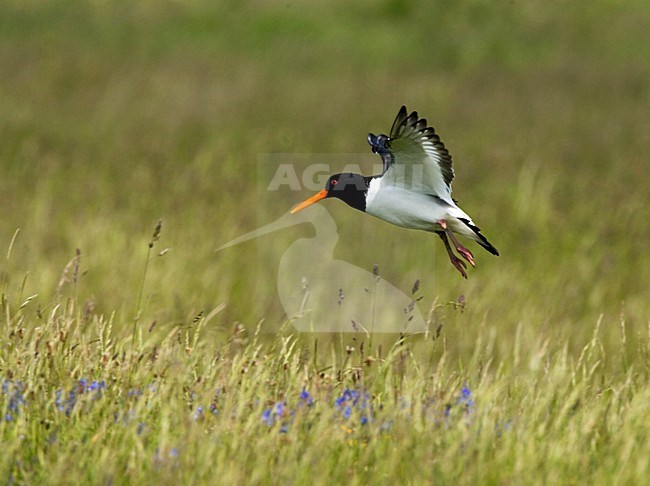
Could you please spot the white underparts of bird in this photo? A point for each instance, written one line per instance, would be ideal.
(413, 190)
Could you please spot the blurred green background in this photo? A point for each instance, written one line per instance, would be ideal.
(115, 114)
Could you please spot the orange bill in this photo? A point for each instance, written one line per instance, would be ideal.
(308, 202)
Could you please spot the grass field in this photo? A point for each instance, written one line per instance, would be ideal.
(129, 358)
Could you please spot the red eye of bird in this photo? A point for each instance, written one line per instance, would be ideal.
(334, 182)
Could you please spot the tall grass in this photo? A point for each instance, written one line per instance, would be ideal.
(78, 406)
(121, 366)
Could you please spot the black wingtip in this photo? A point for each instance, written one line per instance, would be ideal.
(486, 244)
(482, 240)
(399, 119)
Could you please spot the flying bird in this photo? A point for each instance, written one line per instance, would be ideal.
(413, 190)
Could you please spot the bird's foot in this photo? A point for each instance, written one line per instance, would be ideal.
(459, 264)
(466, 254)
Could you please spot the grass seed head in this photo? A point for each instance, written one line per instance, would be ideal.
(156, 233)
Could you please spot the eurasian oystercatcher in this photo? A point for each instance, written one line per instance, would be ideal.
(414, 189)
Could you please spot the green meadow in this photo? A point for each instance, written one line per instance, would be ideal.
(136, 138)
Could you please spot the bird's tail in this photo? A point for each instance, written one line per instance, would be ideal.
(480, 239)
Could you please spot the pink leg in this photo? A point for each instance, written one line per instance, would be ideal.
(465, 253)
(455, 261)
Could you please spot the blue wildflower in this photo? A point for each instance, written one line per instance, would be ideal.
(270, 415)
(353, 399)
(97, 385)
(267, 417)
(465, 398)
(16, 398)
(59, 400)
(198, 414)
(305, 398)
(279, 409)
(347, 411)
(67, 402)
(447, 410)
(347, 396)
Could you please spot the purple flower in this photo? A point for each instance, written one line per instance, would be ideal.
(267, 417)
(97, 385)
(16, 399)
(447, 410)
(348, 396)
(279, 409)
(353, 399)
(347, 411)
(67, 402)
(198, 414)
(305, 398)
(465, 398)
(277, 412)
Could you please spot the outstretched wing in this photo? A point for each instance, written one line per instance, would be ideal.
(420, 161)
